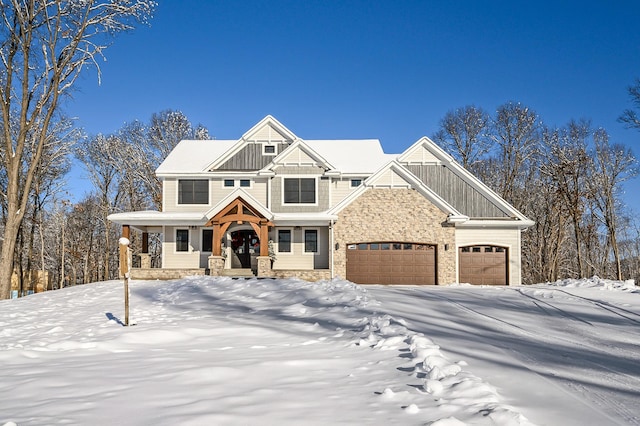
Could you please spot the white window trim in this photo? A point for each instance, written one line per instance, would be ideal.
(277, 241)
(175, 242)
(304, 242)
(209, 197)
(236, 183)
(299, 177)
(269, 154)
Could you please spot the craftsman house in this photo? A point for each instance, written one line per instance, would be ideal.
(272, 204)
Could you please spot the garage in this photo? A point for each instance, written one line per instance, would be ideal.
(483, 265)
(391, 263)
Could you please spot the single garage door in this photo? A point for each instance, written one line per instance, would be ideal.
(391, 263)
(483, 265)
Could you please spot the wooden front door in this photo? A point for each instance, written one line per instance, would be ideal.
(244, 244)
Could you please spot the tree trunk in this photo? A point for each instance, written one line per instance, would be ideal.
(6, 255)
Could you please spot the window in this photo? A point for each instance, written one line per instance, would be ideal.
(228, 183)
(311, 241)
(269, 149)
(207, 239)
(182, 240)
(192, 191)
(284, 241)
(356, 182)
(245, 183)
(299, 191)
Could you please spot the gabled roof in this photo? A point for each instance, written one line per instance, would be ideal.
(273, 124)
(268, 122)
(344, 156)
(384, 178)
(434, 154)
(241, 193)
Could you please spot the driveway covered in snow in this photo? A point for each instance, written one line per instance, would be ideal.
(569, 351)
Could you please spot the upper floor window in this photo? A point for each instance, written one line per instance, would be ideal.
(193, 191)
(356, 182)
(245, 183)
(229, 183)
(299, 190)
(269, 149)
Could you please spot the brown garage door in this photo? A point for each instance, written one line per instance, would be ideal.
(483, 265)
(391, 263)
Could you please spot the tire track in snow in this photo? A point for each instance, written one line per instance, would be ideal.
(593, 394)
(606, 306)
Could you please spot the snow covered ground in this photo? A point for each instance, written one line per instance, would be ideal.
(217, 351)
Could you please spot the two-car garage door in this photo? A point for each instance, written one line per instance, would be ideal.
(391, 263)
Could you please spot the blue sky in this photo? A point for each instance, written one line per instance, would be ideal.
(367, 69)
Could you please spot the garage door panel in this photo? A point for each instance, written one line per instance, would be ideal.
(402, 263)
(483, 265)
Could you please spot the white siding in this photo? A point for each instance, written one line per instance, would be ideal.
(258, 190)
(340, 189)
(421, 156)
(390, 179)
(509, 238)
(170, 200)
(268, 133)
(299, 157)
(297, 258)
(177, 260)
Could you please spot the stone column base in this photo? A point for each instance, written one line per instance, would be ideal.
(264, 266)
(145, 261)
(216, 265)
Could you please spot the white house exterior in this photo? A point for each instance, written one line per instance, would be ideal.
(328, 208)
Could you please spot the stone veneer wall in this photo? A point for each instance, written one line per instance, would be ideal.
(303, 274)
(386, 215)
(164, 274)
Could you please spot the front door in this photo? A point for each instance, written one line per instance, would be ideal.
(244, 244)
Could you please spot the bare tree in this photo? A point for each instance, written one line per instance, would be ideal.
(566, 166)
(612, 165)
(629, 116)
(516, 132)
(463, 134)
(45, 45)
(146, 146)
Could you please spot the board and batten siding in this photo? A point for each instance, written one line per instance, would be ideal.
(180, 260)
(456, 191)
(509, 238)
(250, 158)
(298, 259)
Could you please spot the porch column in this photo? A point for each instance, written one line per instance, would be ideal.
(126, 232)
(264, 238)
(216, 249)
